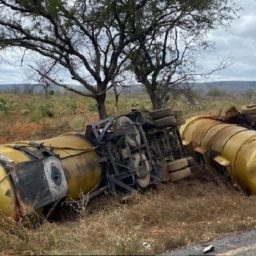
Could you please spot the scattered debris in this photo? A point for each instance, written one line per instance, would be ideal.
(209, 248)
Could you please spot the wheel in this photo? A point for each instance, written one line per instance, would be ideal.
(132, 139)
(142, 169)
(169, 121)
(160, 113)
(181, 174)
(179, 164)
(246, 110)
(180, 120)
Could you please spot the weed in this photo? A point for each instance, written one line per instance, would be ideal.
(4, 107)
(44, 110)
(215, 93)
(127, 246)
(77, 123)
(92, 107)
(72, 106)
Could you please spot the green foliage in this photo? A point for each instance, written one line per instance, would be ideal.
(92, 107)
(27, 109)
(51, 92)
(77, 124)
(44, 110)
(72, 106)
(4, 107)
(217, 93)
(249, 94)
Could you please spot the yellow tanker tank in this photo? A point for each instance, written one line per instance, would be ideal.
(229, 148)
(35, 174)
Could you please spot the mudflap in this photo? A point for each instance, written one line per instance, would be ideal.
(39, 183)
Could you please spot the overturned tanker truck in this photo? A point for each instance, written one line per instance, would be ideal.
(118, 155)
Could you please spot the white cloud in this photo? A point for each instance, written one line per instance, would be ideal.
(238, 43)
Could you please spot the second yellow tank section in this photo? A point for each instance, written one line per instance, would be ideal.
(227, 147)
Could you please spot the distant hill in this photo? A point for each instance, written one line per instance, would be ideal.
(29, 88)
(228, 86)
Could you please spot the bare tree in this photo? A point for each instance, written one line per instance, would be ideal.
(91, 40)
(39, 73)
(165, 60)
(79, 35)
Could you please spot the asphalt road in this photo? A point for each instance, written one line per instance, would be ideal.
(235, 244)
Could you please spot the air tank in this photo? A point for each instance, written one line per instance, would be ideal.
(36, 174)
(228, 148)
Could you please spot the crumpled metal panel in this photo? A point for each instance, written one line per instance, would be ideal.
(38, 183)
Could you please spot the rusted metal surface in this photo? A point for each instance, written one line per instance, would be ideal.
(227, 148)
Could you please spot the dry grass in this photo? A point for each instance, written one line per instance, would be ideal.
(170, 216)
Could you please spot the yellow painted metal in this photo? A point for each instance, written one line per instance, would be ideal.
(227, 147)
(8, 204)
(79, 160)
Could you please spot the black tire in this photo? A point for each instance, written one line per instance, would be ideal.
(169, 121)
(160, 113)
(133, 140)
(181, 174)
(179, 164)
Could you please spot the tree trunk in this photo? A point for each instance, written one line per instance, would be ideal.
(156, 100)
(101, 106)
(157, 97)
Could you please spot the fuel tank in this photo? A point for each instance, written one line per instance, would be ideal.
(36, 174)
(227, 148)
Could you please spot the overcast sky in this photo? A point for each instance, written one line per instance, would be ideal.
(238, 44)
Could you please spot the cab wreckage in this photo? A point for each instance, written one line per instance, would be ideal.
(118, 155)
(124, 155)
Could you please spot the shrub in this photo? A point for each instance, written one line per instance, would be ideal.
(4, 107)
(216, 93)
(92, 107)
(44, 110)
(249, 94)
(72, 106)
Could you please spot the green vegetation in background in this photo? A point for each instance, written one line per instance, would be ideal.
(217, 93)
(63, 113)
